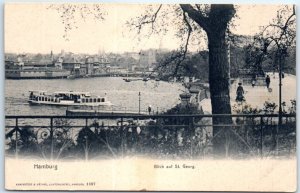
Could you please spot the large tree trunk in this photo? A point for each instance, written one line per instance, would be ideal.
(219, 75)
(215, 25)
(219, 89)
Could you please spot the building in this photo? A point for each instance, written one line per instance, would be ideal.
(147, 58)
(59, 63)
(97, 65)
(74, 66)
(39, 67)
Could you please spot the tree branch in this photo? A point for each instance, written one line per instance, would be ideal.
(176, 59)
(283, 31)
(185, 48)
(198, 7)
(196, 15)
(145, 20)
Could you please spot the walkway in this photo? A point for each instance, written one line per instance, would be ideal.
(257, 96)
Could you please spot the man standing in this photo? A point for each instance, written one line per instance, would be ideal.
(268, 81)
(253, 80)
(149, 109)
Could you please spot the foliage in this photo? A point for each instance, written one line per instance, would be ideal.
(264, 132)
(98, 138)
(195, 65)
(173, 137)
(42, 142)
(274, 43)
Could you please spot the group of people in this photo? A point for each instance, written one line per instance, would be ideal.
(240, 90)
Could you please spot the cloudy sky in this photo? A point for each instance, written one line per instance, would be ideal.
(34, 28)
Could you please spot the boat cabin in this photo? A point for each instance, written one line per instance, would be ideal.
(66, 97)
(34, 93)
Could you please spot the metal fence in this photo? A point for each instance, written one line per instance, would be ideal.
(183, 136)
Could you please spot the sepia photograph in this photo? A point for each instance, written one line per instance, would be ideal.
(150, 97)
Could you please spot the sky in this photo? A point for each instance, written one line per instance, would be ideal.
(34, 28)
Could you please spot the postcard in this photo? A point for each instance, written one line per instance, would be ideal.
(150, 97)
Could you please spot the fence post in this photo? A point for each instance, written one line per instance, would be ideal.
(261, 137)
(122, 137)
(17, 128)
(191, 133)
(86, 150)
(51, 137)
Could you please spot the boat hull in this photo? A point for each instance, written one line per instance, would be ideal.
(68, 103)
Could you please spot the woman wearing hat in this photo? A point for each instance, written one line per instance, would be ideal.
(240, 93)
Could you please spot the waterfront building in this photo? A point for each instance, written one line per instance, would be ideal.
(38, 67)
(34, 72)
(97, 65)
(89, 62)
(19, 62)
(147, 58)
(75, 67)
(59, 63)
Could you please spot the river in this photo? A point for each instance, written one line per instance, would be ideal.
(160, 95)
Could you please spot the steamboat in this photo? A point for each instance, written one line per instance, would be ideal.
(69, 98)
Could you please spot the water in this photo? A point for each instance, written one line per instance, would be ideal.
(160, 95)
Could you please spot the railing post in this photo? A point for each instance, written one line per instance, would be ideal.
(193, 124)
(191, 133)
(86, 122)
(277, 137)
(139, 102)
(261, 137)
(16, 128)
(51, 138)
(122, 137)
(86, 150)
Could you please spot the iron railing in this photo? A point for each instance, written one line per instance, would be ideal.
(160, 135)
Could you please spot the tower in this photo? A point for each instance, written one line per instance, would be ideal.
(52, 57)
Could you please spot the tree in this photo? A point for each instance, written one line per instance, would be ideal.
(276, 38)
(254, 58)
(274, 41)
(214, 21)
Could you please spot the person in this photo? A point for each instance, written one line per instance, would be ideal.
(149, 109)
(253, 80)
(31, 95)
(253, 83)
(268, 81)
(240, 93)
